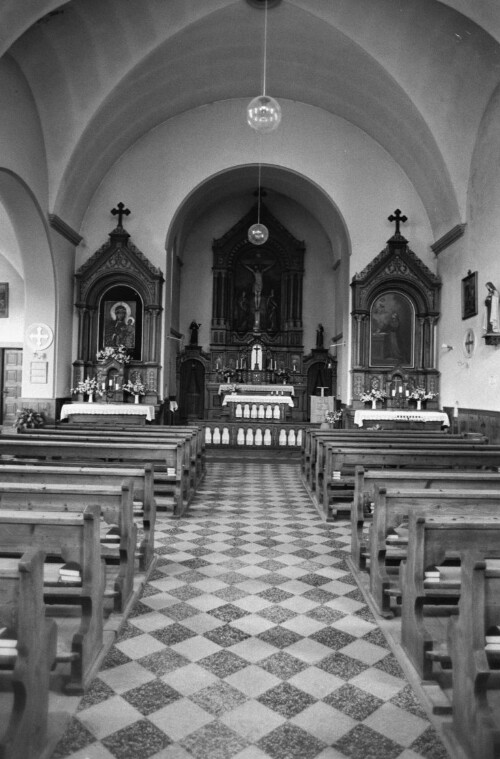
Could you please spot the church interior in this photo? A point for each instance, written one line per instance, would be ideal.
(243, 224)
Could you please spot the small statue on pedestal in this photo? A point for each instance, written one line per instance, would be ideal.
(320, 333)
(194, 327)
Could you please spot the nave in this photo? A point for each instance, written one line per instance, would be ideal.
(251, 640)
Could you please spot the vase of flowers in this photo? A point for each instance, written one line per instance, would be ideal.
(87, 387)
(331, 417)
(228, 373)
(135, 388)
(110, 353)
(372, 396)
(420, 394)
(282, 375)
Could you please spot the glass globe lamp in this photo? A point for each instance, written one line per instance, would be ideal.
(258, 234)
(264, 114)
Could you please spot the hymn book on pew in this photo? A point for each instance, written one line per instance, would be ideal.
(8, 644)
(70, 573)
(112, 538)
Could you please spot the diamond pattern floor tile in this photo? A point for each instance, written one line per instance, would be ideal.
(251, 641)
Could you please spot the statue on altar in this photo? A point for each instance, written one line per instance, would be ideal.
(195, 328)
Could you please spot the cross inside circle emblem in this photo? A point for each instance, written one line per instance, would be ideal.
(39, 336)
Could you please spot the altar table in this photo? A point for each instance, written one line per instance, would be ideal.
(258, 389)
(401, 418)
(108, 413)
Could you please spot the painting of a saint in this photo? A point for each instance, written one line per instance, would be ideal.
(391, 330)
(119, 324)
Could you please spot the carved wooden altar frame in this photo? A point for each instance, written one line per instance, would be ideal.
(119, 263)
(394, 278)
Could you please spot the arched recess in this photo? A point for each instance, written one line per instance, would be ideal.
(237, 185)
(40, 286)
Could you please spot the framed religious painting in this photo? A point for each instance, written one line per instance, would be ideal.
(469, 295)
(392, 329)
(4, 300)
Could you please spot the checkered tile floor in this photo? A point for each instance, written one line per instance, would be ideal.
(251, 640)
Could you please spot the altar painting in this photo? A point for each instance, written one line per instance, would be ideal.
(392, 330)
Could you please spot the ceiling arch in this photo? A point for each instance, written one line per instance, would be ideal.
(275, 180)
(328, 70)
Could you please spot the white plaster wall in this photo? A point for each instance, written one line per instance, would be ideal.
(155, 176)
(478, 384)
(22, 149)
(12, 328)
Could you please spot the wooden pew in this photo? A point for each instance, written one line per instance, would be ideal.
(323, 473)
(165, 482)
(141, 479)
(68, 537)
(312, 438)
(430, 541)
(476, 671)
(367, 480)
(393, 508)
(116, 509)
(163, 431)
(342, 461)
(164, 456)
(24, 689)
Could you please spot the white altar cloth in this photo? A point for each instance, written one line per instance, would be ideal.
(96, 409)
(377, 415)
(241, 388)
(267, 399)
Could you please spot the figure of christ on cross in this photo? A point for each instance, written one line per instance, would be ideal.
(257, 272)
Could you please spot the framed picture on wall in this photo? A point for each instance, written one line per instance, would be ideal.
(4, 300)
(469, 295)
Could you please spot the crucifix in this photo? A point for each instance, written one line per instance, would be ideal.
(398, 218)
(120, 211)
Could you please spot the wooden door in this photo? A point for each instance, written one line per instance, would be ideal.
(12, 362)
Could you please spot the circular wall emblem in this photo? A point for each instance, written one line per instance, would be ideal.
(39, 336)
(469, 343)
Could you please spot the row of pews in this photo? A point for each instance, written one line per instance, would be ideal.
(77, 523)
(425, 519)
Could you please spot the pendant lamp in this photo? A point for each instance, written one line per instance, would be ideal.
(264, 112)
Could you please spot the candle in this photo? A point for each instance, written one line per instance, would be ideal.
(393, 392)
(111, 383)
(103, 385)
(117, 387)
(407, 392)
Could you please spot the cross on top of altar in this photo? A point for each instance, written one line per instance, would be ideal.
(120, 211)
(399, 218)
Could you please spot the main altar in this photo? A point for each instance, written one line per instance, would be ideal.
(256, 372)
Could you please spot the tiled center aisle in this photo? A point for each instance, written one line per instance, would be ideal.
(251, 640)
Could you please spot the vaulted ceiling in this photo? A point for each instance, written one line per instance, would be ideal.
(103, 73)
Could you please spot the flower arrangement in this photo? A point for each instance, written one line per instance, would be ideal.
(227, 373)
(421, 394)
(28, 417)
(136, 387)
(333, 416)
(109, 353)
(87, 386)
(282, 374)
(373, 395)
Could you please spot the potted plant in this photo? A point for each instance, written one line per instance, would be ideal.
(28, 418)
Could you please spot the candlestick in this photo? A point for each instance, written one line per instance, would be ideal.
(117, 387)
